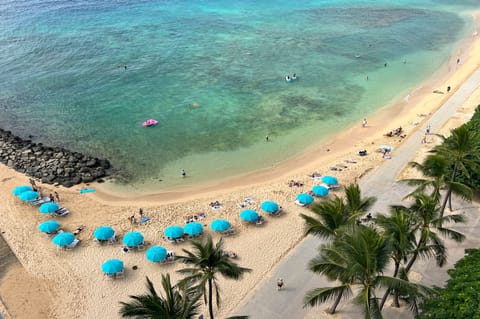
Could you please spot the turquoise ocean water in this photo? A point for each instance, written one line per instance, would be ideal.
(212, 73)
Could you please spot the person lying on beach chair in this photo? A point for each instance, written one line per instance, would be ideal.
(215, 205)
(260, 220)
(78, 230)
(61, 212)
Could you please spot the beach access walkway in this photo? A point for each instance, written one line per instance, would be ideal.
(265, 302)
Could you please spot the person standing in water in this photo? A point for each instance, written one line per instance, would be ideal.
(364, 123)
(184, 174)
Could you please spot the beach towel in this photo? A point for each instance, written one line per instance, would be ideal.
(144, 219)
(216, 207)
(87, 190)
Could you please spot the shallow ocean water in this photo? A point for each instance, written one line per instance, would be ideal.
(212, 73)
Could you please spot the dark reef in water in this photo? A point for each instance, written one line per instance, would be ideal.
(51, 165)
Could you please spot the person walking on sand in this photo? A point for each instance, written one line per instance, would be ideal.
(279, 283)
(57, 198)
(364, 123)
(427, 131)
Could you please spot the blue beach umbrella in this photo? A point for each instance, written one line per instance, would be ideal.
(63, 239)
(112, 266)
(49, 226)
(48, 208)
(20, 189)
(249, 215)
(133, 239)
(193, 228)
(220, 225)
(320, 190)
(103, 233)
(329, 180)
(305, 198)
(156, 254)
(28, 196)
(269, 207)
(173, 231)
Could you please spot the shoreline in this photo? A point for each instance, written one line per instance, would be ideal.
(313, 157)
(75, 276)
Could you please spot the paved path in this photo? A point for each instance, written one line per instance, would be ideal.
(267, 303)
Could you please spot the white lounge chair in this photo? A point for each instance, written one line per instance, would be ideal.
(297, 202)
(229, 232)
(73, 244)
(277, 212)
(120, 274)
(61, 212)
(39, 201)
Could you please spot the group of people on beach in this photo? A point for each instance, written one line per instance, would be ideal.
(396, 132)
(133, 218)
(54, 197)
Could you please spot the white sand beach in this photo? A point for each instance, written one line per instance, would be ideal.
(70, 284)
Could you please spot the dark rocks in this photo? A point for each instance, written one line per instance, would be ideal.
(52, 165)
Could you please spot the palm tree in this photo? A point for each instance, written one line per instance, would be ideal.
(435, 168)
(208, 260)
(462, 148)
(331, 215)
(399, 228)
(178, 302)
(429, 220)
(359, 257)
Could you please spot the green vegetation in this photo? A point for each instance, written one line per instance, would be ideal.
(461, 297)
(181, 301)
(178, 302)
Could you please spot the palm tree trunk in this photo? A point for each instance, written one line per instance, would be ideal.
(385, 296)
(335, 304)
(448, 196)
(210, 297)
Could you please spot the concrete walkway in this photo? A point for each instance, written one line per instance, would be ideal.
(265, 302)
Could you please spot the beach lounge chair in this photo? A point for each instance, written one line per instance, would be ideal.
(297, 202)
(120, 274)
(73, 244)
(39, 201)
(141, 247)
(229, 232)
(61, 212)
(277, 212)
(171, 240)
(112, 240)
(179, 240)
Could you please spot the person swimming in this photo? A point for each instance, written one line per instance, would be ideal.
(294, 76)
(287, 78)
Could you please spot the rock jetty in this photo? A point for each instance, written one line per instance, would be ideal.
(50, 165)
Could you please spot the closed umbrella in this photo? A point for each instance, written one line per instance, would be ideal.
(112, 266)
(49, 226)
(28, 196)
(269, 207)
(48, 208)
(104, 233)
(63, 239)
(193, 228)
(133, 239)
(156, 254)
(20, 189)
(320, 190)
(330, 180)
(220, 225)
(249, 215)
(173, 231)
(305, 198)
